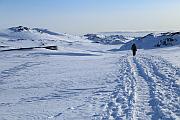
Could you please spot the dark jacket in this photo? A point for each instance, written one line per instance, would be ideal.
(134, 48)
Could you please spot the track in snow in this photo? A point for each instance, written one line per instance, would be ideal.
(146, 90)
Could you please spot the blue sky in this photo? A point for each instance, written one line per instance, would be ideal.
(82, 16)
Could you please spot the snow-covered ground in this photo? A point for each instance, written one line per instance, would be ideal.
(87, 81)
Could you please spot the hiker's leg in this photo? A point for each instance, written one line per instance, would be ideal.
(134, 53)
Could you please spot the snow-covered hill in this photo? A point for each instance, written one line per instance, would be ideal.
(22, 32)
(152, 41)
(18, 37)
(106, 39)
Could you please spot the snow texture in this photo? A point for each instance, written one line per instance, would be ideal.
(87, 81)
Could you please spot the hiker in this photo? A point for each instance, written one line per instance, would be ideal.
(134, 49)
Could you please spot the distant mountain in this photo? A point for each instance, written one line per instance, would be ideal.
(21, 36)
(40, 30)
(104, 39)
(152, 41)
(19, 29)
(132, 34)
(22, 32)
(46, 31)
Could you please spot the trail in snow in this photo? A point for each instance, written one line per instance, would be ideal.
(147, 89)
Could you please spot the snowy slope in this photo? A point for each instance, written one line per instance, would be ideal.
(19, 37)
(21, 32)
(86, 81)
(151, 41)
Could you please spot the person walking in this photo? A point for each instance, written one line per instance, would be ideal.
(134, 49)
